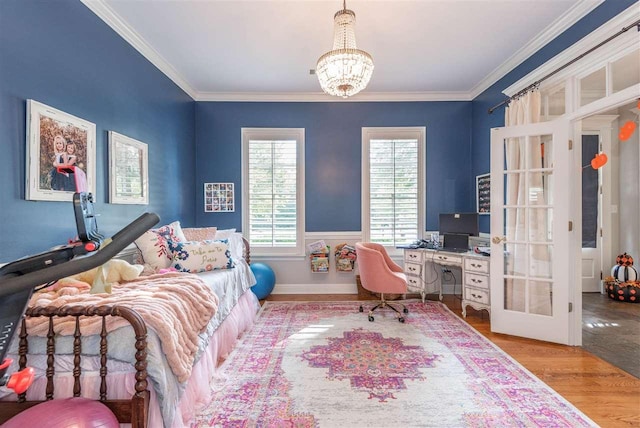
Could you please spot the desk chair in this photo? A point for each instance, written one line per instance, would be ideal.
(380, 274)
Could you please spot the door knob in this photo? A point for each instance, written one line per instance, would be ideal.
(498, 239)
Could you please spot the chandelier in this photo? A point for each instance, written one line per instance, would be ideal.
(345, 70)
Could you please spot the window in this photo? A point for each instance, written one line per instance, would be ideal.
(273, 190)
(393, 185)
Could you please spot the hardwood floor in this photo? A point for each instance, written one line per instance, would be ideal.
(605, 393)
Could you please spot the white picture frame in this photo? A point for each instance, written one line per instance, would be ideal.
(56, 139)
(483, 194)
(128, 170)
(219, 197)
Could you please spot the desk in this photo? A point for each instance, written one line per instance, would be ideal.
(424, 276)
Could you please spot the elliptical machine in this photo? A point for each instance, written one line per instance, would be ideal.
(20, 278)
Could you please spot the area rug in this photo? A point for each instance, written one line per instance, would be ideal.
(323, 364)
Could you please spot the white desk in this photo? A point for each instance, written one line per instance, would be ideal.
(424, 277)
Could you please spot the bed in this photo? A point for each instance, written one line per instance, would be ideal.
(127, 367)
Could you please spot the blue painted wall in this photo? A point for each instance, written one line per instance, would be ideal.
(63, 55)
(483, 122)
(333, 137)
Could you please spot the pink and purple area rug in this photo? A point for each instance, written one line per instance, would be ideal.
(323, 364)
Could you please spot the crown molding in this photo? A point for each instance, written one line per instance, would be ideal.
(615, 24)
(322, 97)
(108, 15)
(113, 20)
(564, 22)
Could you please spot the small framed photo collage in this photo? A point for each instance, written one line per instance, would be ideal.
(218, 197)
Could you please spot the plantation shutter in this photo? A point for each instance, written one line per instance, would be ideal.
(393, 191)
(273, 182)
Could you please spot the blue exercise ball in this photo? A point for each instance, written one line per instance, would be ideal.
(265, 280)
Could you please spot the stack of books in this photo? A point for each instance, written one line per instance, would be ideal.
(319, 256)
(345, 258)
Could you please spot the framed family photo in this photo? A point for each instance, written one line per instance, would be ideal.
(128, 170)
(57, 143)
(218, 197)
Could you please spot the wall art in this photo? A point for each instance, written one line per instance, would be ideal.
(57, 142)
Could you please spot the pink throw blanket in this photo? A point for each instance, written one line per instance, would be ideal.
(177, 306)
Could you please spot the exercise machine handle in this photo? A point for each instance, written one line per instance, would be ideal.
(10, 284)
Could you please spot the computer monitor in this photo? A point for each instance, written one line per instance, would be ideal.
(462, 223)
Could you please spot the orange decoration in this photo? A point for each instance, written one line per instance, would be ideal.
(627, 130)
(599, 160)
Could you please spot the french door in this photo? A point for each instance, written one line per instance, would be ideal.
(531, 257)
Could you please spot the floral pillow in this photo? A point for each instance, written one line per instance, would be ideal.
(201, 256)
(154, 248)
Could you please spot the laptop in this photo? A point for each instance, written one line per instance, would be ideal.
(455, 242)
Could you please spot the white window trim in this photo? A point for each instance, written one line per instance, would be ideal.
(371, 133)
(297, 134)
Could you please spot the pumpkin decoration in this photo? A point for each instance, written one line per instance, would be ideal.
(624, 273)
(623, 292)
(624, 260)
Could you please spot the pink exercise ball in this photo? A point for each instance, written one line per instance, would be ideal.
(73, 412)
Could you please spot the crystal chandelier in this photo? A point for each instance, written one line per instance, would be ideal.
(345, 70)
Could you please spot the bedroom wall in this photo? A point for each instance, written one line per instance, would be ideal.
(333, 138)
(61, 54)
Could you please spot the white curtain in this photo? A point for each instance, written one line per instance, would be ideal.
(529, 264)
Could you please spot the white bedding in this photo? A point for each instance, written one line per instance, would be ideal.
(229, 285)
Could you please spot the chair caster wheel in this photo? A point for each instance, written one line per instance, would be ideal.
(361, 309)
(405, 310)
(401, 319)
(370, 318)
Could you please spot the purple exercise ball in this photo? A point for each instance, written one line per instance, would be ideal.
(73, 412)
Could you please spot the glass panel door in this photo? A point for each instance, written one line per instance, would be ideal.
(530, 170)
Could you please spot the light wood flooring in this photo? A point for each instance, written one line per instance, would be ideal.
(605, 393)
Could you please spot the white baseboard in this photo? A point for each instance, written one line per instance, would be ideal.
(332, 289)
(350, 288)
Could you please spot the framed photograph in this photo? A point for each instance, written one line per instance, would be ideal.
(218, 197)
(57, 141)
(128, 170)
(483, 193)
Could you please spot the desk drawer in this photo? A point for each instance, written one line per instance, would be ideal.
(413, 269)
(413, 256)
(476, 295)
(447, 259)
(475, 280)
(414, 283)
(476, 265)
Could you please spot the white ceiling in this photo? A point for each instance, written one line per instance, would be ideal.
(264, 49)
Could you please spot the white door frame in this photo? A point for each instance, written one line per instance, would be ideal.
(606, 127)
(597, 107)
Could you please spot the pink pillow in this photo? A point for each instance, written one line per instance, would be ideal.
(200, 233)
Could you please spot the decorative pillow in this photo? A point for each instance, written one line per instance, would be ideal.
(201, 256)
(200, 233)
(224, 233)
(154, 248)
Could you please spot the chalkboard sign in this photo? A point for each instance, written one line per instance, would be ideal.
(483, 193)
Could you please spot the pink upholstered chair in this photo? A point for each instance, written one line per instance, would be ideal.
(380, 274)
